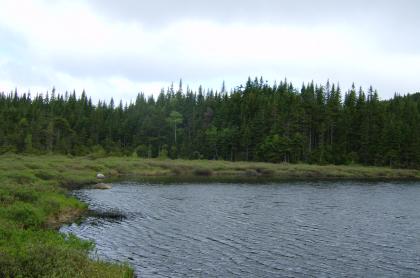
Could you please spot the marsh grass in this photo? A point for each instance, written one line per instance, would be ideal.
(33, 202)
(32, 206)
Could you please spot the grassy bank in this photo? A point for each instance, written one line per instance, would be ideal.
(33, 203)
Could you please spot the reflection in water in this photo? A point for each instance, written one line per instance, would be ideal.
(322, 229)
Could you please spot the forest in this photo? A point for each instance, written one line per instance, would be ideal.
(316, 124)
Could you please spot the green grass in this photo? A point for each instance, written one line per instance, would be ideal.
(32, 205)
(33, 202)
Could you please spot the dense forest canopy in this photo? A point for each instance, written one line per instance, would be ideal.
(256, 122)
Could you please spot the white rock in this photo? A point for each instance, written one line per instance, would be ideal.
(100, 176)
(102, 186)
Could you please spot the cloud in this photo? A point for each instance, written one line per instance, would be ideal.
(279, 11)
(393, 23)
(119, 48)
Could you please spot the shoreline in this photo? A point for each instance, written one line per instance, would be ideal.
(35, 201)
(77, 172)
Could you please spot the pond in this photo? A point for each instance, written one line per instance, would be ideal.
(319, 229)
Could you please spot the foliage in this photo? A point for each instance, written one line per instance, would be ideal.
(256, 122)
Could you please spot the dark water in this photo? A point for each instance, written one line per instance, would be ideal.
(342, 229)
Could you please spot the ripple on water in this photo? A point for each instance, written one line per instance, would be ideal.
(235, 230)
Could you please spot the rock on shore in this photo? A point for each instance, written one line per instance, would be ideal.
(102, 186)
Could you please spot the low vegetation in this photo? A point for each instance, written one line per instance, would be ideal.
(33, 203)
(32, 206)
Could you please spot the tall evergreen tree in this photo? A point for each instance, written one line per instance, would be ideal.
(259, 122)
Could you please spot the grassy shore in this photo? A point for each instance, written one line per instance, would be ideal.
(33, 203)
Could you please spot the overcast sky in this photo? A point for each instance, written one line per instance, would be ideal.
(119, 48)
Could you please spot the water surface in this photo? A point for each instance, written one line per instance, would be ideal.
(317, 229)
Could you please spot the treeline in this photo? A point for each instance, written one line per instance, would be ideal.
(257, 122)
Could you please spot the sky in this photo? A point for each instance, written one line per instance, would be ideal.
(120, 48)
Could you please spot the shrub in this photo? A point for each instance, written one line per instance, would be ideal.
(97, 152)
(142, 151)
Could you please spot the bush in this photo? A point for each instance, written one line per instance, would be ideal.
(97, 152)
(142, 151)
(197, 155)
(163, 152)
